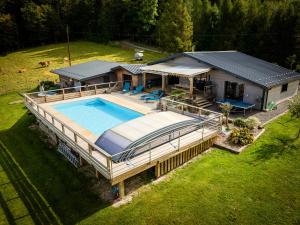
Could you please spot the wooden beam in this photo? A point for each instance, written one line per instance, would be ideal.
(144, 80)
(121, 189)
(163, 83)
(191, 86)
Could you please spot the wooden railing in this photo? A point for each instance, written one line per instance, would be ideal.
(74, 92)
(184, 108)
(100, 159)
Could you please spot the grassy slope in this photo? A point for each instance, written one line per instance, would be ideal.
(11, 80)
(259, 186)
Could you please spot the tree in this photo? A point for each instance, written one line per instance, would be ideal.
(8, 33)
(226, 108)
(175, 28)
(294, 108)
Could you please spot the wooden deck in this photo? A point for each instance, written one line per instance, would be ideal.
(82, 141)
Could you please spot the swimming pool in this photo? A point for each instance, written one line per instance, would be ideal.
(96, 115)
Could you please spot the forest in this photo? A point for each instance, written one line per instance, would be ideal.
(269, 29)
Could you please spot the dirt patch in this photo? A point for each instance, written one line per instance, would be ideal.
(16, 102)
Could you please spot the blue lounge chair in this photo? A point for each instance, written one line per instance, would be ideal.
(154, 97)
(126, 87)
(138, 89)
(155, 92)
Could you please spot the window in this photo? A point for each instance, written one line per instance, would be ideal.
(284, 87)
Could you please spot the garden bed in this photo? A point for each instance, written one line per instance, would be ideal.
(222, 141)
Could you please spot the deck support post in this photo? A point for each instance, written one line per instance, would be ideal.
(97, 175)
(121, 186)
(82, 161)
(157, 170)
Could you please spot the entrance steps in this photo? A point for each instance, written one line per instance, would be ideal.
(202, 102)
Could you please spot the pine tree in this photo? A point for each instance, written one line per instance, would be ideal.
(175, 28)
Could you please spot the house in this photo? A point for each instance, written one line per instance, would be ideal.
(97, 71)
(228, 75)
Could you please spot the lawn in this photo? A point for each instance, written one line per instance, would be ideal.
(11, 80)
(259, 186)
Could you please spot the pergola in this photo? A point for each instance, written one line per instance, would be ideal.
(176, 69)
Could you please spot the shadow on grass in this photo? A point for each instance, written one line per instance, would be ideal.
(51, 188)
(7, 212)
(277, 148)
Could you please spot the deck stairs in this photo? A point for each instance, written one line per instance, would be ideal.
(202, 102)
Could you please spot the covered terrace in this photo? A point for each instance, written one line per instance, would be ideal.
(186, 74)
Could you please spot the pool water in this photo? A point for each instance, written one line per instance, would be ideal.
(96, 115)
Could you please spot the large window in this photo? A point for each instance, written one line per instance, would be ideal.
(284, 87)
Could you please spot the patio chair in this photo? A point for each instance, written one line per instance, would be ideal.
(271, 106)
(154, 97)
(138, 89)
(155, 92)
(126, 87)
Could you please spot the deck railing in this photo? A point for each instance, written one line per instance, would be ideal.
(74, 92)
(180, 107)
(100, 159)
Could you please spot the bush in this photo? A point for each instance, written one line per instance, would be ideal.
(239, 122)
(49, 85)
(241, 136)
(252, 122)
(249, 123)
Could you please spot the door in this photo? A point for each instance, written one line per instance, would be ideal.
(230, 90)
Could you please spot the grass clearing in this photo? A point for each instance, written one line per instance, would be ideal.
(81, 51)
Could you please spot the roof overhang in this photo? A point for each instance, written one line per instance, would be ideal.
(176, 69)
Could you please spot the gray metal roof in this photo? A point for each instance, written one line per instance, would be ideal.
(132, 68)
(244, 66)
(88, 70)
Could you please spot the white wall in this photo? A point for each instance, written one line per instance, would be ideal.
(277, 96)
(252, 92)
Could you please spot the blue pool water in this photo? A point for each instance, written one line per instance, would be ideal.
(96, 115)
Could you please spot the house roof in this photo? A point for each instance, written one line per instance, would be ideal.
(243, 66)
(132, 68)
(177, 69)
(88, 70)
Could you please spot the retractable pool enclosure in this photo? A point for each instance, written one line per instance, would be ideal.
(137, 136)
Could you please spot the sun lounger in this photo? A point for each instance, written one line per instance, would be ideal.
(154, 97)
(153, 93)
(126, 87)
(138, 89)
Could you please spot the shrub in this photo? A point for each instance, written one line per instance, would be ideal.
(249, 123)
(241, 136)
(49, 85)
(252, 122)
(239, 122)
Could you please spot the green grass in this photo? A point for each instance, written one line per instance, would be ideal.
(11, 80)
(259, 186)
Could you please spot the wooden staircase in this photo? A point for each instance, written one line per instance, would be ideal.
(202, 102)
